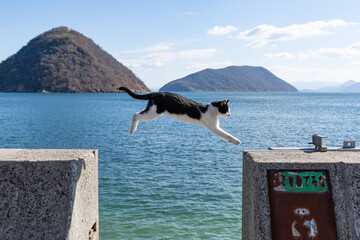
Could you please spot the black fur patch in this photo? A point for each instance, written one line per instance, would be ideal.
(222, 107)
(176, 104)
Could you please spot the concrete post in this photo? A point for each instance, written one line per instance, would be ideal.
(344, 172)
(49, 194)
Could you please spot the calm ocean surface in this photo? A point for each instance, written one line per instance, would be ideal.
(173, 180)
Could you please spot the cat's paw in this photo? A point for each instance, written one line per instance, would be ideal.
(235, 141)
(132, 131)
(133, 128)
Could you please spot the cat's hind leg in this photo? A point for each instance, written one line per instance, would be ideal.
(147, 114)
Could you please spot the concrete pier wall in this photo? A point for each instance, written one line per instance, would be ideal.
(344, 171)
(49, 194)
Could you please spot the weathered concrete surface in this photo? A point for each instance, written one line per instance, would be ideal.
(344, 169)
(49, 194)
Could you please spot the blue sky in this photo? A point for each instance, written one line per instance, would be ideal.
(306, 43)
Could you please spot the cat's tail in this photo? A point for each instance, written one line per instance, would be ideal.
(134, 95)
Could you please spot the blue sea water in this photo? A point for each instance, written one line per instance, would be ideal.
(173, 180)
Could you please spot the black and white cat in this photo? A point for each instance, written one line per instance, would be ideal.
(183, 109)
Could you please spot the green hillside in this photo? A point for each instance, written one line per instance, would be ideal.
(63, 60)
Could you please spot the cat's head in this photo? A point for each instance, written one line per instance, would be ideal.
(222, 107)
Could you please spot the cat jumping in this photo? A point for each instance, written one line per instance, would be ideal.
(183, 109)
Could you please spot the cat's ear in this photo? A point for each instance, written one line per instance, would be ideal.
(225, 101)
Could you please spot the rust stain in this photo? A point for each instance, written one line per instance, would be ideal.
(301, 205)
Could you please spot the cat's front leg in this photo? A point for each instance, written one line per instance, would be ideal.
(221, 133)
(235, 141)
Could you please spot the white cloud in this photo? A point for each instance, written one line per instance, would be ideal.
(153, 48)
(355, 63)
(351, 51)
(160, 59)
(159, 47)
(197, 53)
(192, 40)
(153, 60)
(196, 65)
(279, 55)
(262, 34)
(294, 74)
(217, 30)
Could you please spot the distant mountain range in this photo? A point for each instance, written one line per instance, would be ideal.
(230, 79)
(347, 87)
(63, 60)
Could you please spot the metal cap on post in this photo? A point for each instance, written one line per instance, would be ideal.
(317, 141)
(349, 144)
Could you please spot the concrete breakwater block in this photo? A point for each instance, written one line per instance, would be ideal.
(49, 194)
(301, 195)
